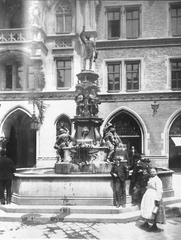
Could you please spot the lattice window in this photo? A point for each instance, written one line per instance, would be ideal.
(64, 17)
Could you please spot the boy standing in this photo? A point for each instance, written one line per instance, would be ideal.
(119, 173)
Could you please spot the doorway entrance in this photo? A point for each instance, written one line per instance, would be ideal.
(21, 144)
(128, 130)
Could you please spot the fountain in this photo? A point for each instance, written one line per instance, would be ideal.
(81, 175)
(85, 151)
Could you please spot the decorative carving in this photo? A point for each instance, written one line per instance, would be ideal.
(63, 7)
(63, 43)
(12, 36)
(155, 107)
(41, 108)
(103, 97)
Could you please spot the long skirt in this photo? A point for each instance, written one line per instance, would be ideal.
(147, 206)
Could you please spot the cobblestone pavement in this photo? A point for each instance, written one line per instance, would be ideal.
(68, 230)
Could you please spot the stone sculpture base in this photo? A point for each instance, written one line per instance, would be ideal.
(67, 168)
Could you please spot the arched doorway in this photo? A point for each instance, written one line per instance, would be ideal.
(21, 145)
(128, 130)
(175, 144)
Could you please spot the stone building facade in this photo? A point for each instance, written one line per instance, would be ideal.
(139, 68)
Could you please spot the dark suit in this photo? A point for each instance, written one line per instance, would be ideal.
(119, 186)
(7, 168)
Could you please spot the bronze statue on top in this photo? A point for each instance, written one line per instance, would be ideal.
(89, 48)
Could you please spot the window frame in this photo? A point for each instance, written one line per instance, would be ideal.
(123, 74)
(139, 77)
(120, 75)
(132, 8)
(172, 6)
(175, 60)
(63, 14)
(25, 79)
(14, 75)
(114, 10)
(59, 59)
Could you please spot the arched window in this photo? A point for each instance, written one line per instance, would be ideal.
(63, 17)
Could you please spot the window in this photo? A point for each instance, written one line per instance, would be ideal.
(63, 73)
(64, 17)
(123, 75)
(113, 18)
(132, 76)
(176, 20)
(9, 76)
(176, 74)
(113, 76)
(19, 76)
(14, 76)
(125, 22)
(132, 23)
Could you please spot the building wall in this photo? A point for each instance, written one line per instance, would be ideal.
(155, 72)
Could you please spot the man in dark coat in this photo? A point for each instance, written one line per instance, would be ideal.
(7, 168)
(119, 173)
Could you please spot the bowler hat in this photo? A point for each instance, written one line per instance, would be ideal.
(145, 160)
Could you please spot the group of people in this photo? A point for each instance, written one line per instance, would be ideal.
(145, 188)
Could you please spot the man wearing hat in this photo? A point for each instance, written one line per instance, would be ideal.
(119, 173)
(7, 168)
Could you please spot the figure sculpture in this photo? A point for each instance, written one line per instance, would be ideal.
(62, 141)
(35, 14)
(93, 103)
(111, 140)
(89, 48)
(79, 99)
(85, 132)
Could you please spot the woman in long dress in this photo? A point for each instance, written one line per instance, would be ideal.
(152, 199)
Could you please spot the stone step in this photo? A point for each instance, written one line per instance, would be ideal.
(47, 213)
(14, 208)
(170, 200)
(42, 218)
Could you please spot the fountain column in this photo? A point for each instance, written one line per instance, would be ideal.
(85, 152)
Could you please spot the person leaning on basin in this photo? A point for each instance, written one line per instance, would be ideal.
(7, 169)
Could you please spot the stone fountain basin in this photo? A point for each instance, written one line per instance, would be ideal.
(42, 186)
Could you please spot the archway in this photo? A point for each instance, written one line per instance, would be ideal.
(128, 130)
(131, 130)
(21, 145)
(175, 143)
